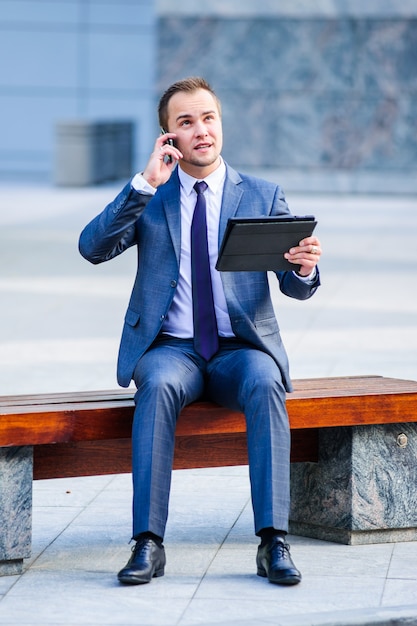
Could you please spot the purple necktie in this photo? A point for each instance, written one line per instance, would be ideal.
(206, 340)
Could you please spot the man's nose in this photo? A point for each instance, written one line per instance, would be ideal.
(200, 129)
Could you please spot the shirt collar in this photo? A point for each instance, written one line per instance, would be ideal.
(213, 180)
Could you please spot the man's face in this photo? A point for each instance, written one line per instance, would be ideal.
(195, 118)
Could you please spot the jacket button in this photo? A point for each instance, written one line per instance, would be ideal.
(162, 318)
(173, 283)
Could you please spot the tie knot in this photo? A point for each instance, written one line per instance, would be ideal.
(200, 187)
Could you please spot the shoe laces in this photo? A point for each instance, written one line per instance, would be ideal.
(140, 546)
(282, 548)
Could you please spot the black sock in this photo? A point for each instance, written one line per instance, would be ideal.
(148, 535)
(266, 534)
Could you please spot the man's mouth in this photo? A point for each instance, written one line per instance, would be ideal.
(203, 146)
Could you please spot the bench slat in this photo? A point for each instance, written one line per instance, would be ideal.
(308, 387)
(315, 403)
(92, 458)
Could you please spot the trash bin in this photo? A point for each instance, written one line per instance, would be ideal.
(92, 152)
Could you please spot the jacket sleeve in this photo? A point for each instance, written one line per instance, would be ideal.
(292, 286)
(289, 283)
(113, 230)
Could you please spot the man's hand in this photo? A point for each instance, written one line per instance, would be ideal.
(306, 254)
(162, 161)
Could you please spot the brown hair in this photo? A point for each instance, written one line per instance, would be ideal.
(187, 85)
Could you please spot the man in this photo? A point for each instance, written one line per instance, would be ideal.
(175, 346)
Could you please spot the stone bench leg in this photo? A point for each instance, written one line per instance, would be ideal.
(16, 470)
(362, 490)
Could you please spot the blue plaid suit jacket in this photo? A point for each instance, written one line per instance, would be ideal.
(153, 225)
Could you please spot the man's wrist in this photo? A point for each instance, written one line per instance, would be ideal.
(308, 278)
(141, 185)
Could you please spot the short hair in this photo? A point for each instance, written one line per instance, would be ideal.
(187, 85)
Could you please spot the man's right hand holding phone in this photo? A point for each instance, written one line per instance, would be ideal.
(162, 160)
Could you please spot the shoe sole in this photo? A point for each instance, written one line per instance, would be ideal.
(285, 580)
(131, 579)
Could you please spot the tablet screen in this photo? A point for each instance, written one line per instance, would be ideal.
(258, 244)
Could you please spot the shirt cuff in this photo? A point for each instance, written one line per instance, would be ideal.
(309, 278)
(140, 185)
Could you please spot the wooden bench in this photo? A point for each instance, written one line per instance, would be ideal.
(340, 427)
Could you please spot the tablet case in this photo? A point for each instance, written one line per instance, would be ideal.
(258, 244)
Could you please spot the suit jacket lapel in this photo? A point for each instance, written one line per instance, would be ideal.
(232, 194)
(170, 198)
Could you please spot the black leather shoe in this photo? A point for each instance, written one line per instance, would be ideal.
(274, 561)
(147, 562)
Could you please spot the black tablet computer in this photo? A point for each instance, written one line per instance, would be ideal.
(258, 244)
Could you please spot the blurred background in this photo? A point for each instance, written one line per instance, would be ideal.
(323, 92)
(320, 97)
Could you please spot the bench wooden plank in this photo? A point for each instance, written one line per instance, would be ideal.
(303, 388)
(90, 431)
(315, 403)
(89, 458)
(86, 433)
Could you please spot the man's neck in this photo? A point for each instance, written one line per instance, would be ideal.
(200, 171)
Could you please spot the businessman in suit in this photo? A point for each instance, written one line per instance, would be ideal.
(190, 329)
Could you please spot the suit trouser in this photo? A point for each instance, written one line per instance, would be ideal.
(169, 376)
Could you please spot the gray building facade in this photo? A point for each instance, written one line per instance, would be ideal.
(320, 95)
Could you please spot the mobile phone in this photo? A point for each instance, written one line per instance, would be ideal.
(168, 159)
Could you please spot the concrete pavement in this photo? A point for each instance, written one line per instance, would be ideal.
(60, 325)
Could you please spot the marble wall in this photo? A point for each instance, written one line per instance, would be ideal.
(325, 95)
